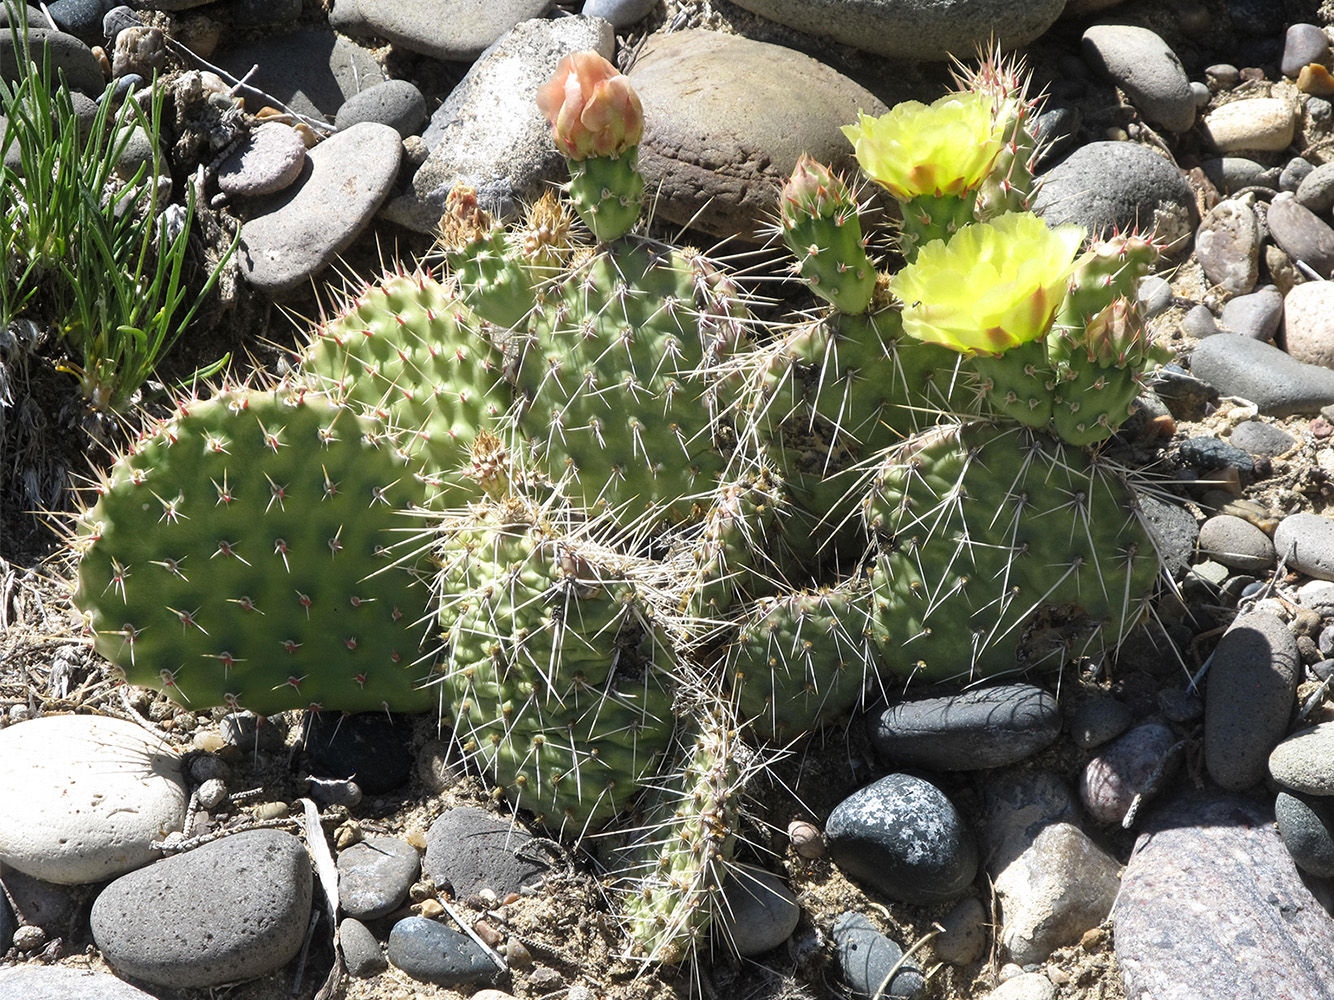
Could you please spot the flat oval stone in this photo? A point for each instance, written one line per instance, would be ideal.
(1143, 65)
(1301, 233)
(1275, 381)
(1098, 720)
(82, 797)
(1260, 438)
(903, 836)
(456, 30)
(1111, 780)
(470, 849)
(1256, 315)
(724, 125)
(1306, 542)
(977, 728)
(234, 909)
(1304, 762)
(55, 982)
(347, 178)
(396, 103)
(866, 957)
(434, 953)
(1227, 245)
(65, 53)
(1302, 45)
(1306, 824)
(1236, 543)
(759, 910)
(269, 160)
(1308, 323)
(1256, 123)
(1316, 191)
(1212, 906)
(374, 876)
(915, 29)
(1251, 686)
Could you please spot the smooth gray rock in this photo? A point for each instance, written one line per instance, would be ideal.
(54, 982)
(1260, 438)
(1304, 762)
(1227, 246)
(1306, 824)
(1212, 906)
(1277, 383)
(1308, 323)
(621, 13)
(1316, 191)
(1098, 720)
(1118, 185)
(915, 29)
(1143, 65)
(458, 30)
(489, 133)
(374, 876)
(1294, 172)
(361, 949)
(1154, 294)
(1303, 44)
(267, 161)
(974, 729)
(1256, 315)
(311, 70)
(903, 837)
(1301, 234)
(1306, 541)
(433, 953)
(1232, 173)
(80, 18)
(1250, 690)
(724, 125)
(759, 911)
(967, 934)
(1130, 766)
(234, 909)
(396, 103)
(1236, 543)
(866, 956)
(345, 179)
(67, 55)
(470, 849)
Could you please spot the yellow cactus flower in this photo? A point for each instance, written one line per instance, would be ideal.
(946, 148)
(993, 286)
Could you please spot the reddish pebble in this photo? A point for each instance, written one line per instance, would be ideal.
(807, 840)
(1321, 428)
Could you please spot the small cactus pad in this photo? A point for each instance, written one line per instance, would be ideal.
(1001, 550)
(243, 554)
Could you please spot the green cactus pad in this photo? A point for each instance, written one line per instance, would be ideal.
(1001, 550)
(243, 555)
(557, 673)
(399, 355)
(608, 193)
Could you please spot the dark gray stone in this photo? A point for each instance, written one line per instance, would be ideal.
(396, 103)
(1260, 438)
(80, 18)
(311, 70)
(361, 949)
(1208, 454)
(1130, 766)
(1174, 529)
(1211, 905)
(1256, 315)
(1236, 543)
(866, 957)
(759, 911)
(231, 910)
(903, 837)
(458, 30)
(268, 160)
(53, 982)
(1316, 191)
(42, 904)
(1118, 185)
(1232, 173)
(1199, 322)
(374, 876)
(621, 13)
(433, 953)
(1303, 44)
(1301, 234)
(1143, 65)
(1306, 824)
(1251, 685)
(974, 729)
(1293, 173)
(1098, 720)
(1277, 383)
(1306, 541)
(1227, 246)
(67, 54)
(470, 849)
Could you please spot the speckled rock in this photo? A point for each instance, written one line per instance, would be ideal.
(1308, 323)
(724, 126)
(1098, 720)
(1275, 381)
(1128, 767)
(1316, 191)
(866, 957)
(1251, 685)
(1227, 245)
(83, 797)
(269, 160)
(1306, 824)
(1304, 762)
(1257, 123)
(374, 876)
(915, 29)
(456, 30)
(1143, 65)
(347, 177)
(1236, 543)
(53, 982)
(1306, 541)
(903, 837)
(1211, 900)
(469, 849)
(966, 934)
(231, 910)
(1260, 438)
(361, 949)
(1025, 986)
(489, 133)
(433, 953)
(1303, 44)
(1118, 185)
(1301, 233)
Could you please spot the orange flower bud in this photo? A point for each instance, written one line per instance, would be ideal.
(593, 109)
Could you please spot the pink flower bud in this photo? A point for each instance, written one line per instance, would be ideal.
(593, 109)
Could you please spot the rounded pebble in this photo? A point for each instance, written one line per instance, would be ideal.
(1316, 191)
(903, 836)
(1306, 824)
(1112, 779)
(807, 839)
(1302, 234)
(1304, 762)
(1302, 45)
(1154, 295)
(1098, 720)
(1260, 438)
(374, 876)
(1306, 542)
(470, 849)
(83, 797)
(268, 160)
(1143, 65)
(433, 953)
(361, 949)
(759, 910)
(965, 938)
(1308, 323)
(396, 103)
(1025, 986)
(1256, 315)
(866, 957)
(621, 13)
(1257, 123)
(1236, 543)
(231, 910)
(1275, 381)
(1227, 246)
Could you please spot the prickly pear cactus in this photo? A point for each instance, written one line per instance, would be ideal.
(246, 553)
(1000, 550)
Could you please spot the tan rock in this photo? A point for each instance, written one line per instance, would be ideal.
(1260, 123)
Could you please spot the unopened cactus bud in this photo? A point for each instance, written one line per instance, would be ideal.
(820, 226)
(593, 109)
(493, 282)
